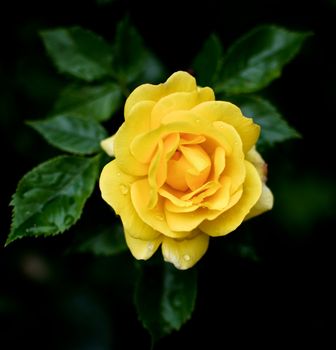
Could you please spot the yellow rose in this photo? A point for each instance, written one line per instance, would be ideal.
(185, 169)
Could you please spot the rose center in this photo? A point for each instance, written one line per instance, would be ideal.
(188, 168)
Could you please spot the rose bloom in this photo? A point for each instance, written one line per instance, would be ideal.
(185, 169)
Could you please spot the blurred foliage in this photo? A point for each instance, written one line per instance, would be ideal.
(278, 268)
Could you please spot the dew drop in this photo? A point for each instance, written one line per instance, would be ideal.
(150, 246)
(197, 121)
(186, 257)
(123, 189)
(118, 174)
(159, 217)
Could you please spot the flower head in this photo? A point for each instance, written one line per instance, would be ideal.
(185, 169)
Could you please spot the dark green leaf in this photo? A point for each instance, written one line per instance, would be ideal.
(208, 61)
(71, 134)
(132, 61)
(165, 298)
(50, 198)
(109, 241)
(258, 58)
(93, 102)
(273, 127)
(153, 70)
(78, 52)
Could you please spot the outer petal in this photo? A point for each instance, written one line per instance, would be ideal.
(138, 122)
(264, 203)
(115, 189)
(256, 159)
(266, 200)
(145, 92)
(142, 249)
(230, 114)
(179, 81)
(179, 101)
(185, 253)
(108, 145)
(232, 218)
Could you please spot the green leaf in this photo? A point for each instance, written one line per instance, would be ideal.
(273, 127)
(94, 102)
(71, 133)
(78, 52)
(109, 241)
(165, 298)
(50, 198)
(258, 58)
(132, 61)
(208, 61)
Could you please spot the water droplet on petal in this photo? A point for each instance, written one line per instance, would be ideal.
(150, 246)
(123, 189)
(159, 217)
(118, 174)
(198, 121)
(186, 257)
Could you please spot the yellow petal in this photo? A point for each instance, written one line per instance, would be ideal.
(138, 122)
(142, 249)
(218, 163)
(157, 174)
(232, 218)
(185, 122)
(154, 217)
(189, 169)
(152, 178)
(230, 114)
(196, 179)
(264, 203)
(191, 139)
(108, 145)
(196, 156)
(170, 144)
(256, 159)
(185, 253)
(205, 190)
(174, 196)
(170, 206)
(235, 169)
(177, 168)
(179, 81)
(185, 221)
(221, 198)
(201, 165)
(179, 101)
(115, 189)
(145, 92)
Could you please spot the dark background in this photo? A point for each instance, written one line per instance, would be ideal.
(269, 288)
